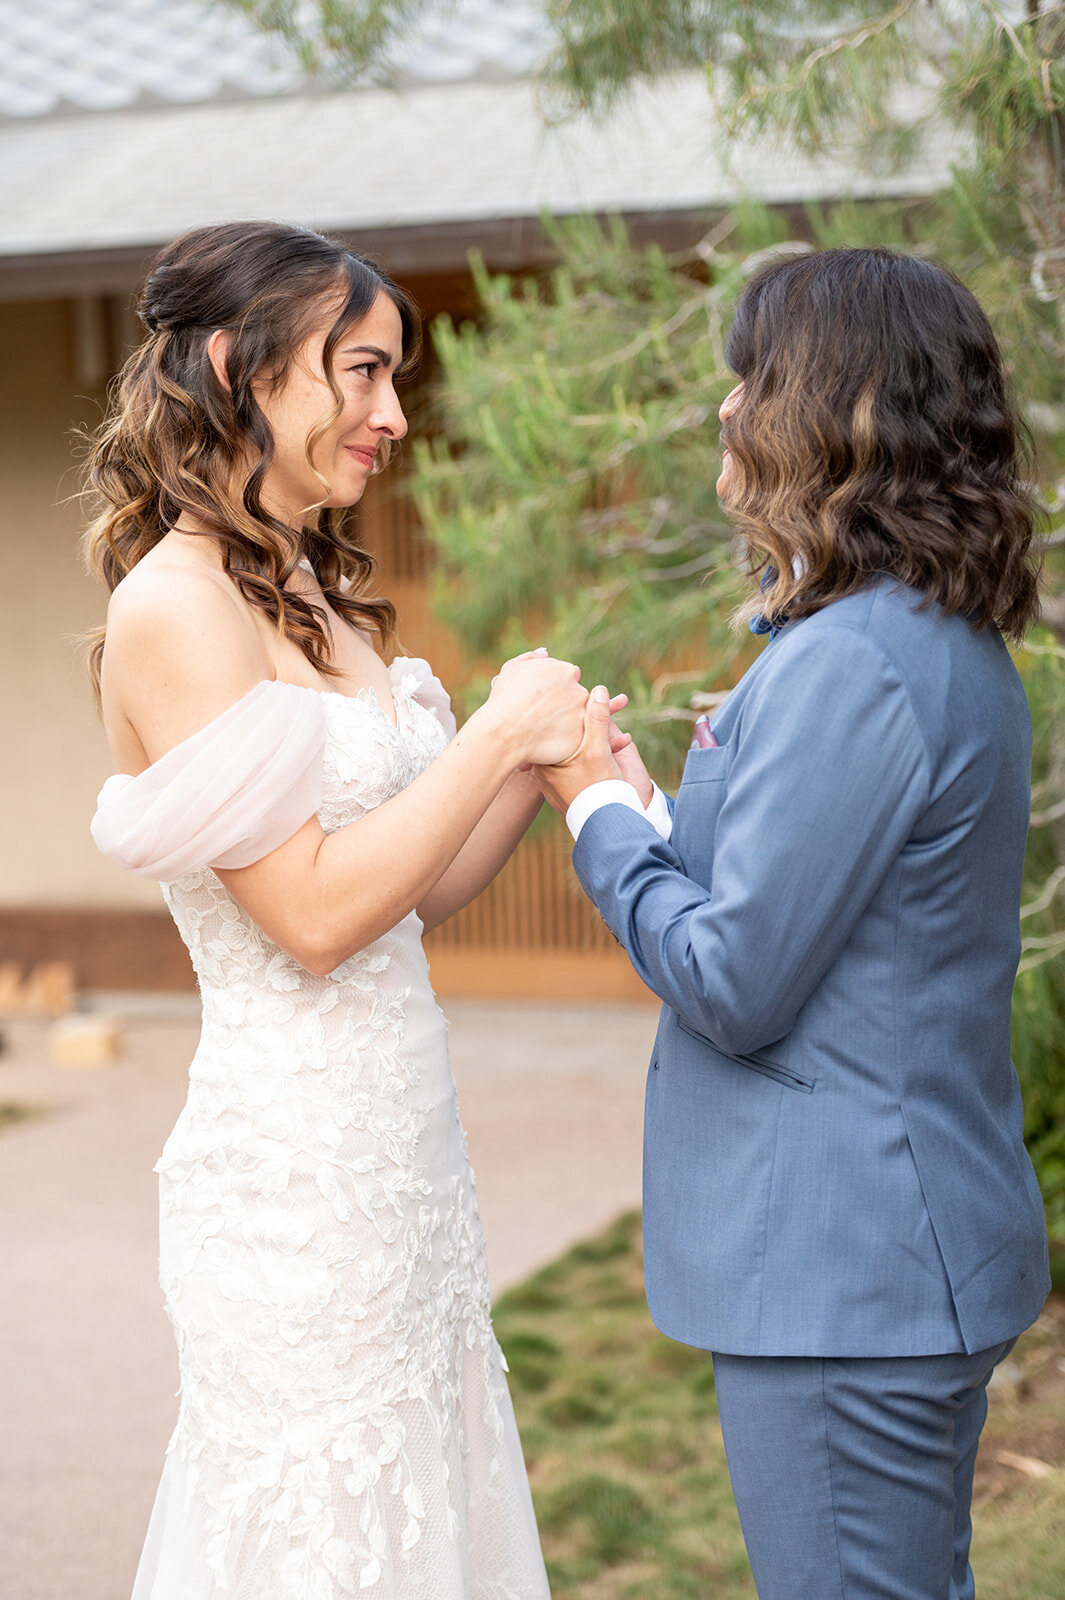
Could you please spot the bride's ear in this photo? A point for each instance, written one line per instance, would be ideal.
(218, 348)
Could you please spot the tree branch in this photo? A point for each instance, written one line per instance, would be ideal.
(1043, 819)
(856, 37)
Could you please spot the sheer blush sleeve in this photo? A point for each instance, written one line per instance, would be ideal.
(414, 674)
(224, 797)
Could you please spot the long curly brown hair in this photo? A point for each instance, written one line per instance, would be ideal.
(875, 434)
(177, 440)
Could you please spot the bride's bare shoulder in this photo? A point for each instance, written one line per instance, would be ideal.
(181, 645)
(164, 585)
(169, 603)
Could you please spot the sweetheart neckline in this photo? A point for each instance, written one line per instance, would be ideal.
(366, 690)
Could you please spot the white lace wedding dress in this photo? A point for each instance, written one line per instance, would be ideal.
(345, 1427)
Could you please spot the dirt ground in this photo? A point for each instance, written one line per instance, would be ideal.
(551, 1098)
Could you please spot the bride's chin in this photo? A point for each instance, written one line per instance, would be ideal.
(350, 491)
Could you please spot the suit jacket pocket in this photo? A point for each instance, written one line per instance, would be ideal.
(757, 1061)
(707, 766)
(701, 795)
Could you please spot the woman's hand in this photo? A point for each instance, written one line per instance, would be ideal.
(628, 759)
(538, 705)
(593, 761)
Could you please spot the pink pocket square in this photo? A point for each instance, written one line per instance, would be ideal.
(702, 736)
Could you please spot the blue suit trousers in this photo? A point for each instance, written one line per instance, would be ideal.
(853, 1476)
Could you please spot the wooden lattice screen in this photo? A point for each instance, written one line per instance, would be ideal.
(535, 904)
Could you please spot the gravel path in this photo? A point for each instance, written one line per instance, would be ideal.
(551, 1098)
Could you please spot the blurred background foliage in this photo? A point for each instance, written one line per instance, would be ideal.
(569, 482)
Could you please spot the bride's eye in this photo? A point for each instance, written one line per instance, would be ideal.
(367, 368)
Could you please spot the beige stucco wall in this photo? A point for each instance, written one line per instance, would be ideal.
(54, 756)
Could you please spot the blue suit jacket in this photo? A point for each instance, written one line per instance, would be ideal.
(833, 1152)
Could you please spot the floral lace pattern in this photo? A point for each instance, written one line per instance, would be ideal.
(345, 1427)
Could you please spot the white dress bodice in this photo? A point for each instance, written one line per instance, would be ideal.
(261, 1008)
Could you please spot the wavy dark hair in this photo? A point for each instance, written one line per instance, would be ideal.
(177, 440)
(875, 434)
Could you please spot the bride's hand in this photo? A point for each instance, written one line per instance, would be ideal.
(539, 703)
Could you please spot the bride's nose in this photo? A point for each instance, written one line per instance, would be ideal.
(388, 416)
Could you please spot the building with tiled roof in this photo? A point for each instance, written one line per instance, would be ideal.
(123, 122)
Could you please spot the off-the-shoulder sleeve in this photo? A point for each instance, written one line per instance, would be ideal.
(415, 675)
(224, 797)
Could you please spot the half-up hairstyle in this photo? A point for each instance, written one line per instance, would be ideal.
(177, 440)
(875, 434)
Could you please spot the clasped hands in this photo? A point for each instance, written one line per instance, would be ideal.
(557, 714)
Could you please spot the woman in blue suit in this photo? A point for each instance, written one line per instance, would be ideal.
(838, 1202)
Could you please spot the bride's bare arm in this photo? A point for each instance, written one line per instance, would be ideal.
(489, 847)
(176, 658)
(324, 896)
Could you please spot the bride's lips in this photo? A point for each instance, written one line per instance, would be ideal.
(364, 453)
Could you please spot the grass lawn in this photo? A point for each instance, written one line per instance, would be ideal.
(627, 1467)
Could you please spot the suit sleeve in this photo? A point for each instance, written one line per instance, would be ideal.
(827, 777)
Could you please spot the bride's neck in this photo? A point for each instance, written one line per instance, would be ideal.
(188, 534)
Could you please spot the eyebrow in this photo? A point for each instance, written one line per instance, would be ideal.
(368, 350)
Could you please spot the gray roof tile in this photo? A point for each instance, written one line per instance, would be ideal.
(98, 55)
(67, 56)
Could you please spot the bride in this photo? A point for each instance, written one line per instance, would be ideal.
(344, 1425)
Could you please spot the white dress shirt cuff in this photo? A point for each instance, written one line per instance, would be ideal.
(615, 791)
(658, 813)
